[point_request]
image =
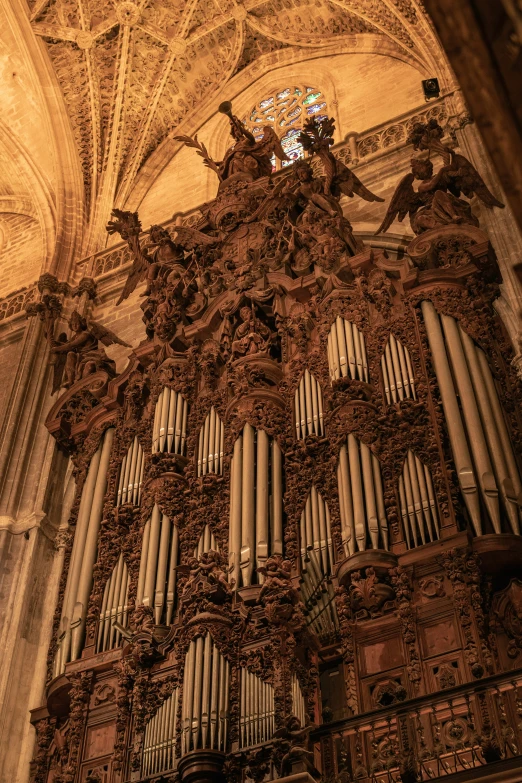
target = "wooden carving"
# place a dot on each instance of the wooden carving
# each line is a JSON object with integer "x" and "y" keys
{"x": 288, "y": 380}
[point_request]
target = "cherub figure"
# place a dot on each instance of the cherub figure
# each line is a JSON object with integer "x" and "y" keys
{"x": 437, "y": 202}
{"x": 251, "y": 336}
{"x": 295, "y": 739}
{"x": 82, "y": 354}
{"x": 317, "y": 138}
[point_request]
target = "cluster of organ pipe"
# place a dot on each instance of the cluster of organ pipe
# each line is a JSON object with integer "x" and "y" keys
{"x": 484, "y": 458}
{"x": 318, "y": 595}
{"x": 361, "y": 498}
{"x": 257, "y": 710}
{"x": 169, "y": 432}
{"x": 347, "y": 351}
{"x": 316, "y": 532}
{"x": 159, "y": 743}
{"x": 131, "y": 476}
{"x": 159, "y": 559}
{"x": 256, "y": 504}
{"x": 83, "y": 556}
{"x": 114, "y": 607}
{"x": 204, "y": 713}
{"x": 397, "y": 372}
{"x": 418, "y": 505}
{"x": 211, "y": 444}
{"x": 308, "y": 407}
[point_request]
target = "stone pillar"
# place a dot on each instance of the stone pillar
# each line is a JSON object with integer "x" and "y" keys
{"x": 502, "y": 230}
{"x": 32, "y": 508}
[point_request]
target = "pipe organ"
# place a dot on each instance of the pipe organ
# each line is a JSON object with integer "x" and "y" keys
{"x": 204, "y": 714}
{"x": 170, "y": 422}
{"x": 131, "y": 476}
{"x": 361, "y": 498}
{"x": 418, "y": 505}
{"x": 397, "y": 372}
{"x": 158, "y": 563}
{"x": 115, "y": 607}
{"x": 257, "y": 711}
{"x": 83, "y": 556}
{"x": 347, "y": 351}
{"x": 308, "y": 407}
{"x": 211, "y": 445}
{"x": 486, "y": 466}
{"x": 161, "y": 735}
{"x": 256, "y": 503}
{"x": 341, "y": 543}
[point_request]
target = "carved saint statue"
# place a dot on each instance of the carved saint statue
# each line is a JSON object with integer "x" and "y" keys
{"x": 251, "y": 336}
{"x": 82, "y": 355}
{"x": 437, "y": 202}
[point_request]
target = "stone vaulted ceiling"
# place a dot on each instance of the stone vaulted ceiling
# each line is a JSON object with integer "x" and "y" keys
{"x": 133, "y": 73}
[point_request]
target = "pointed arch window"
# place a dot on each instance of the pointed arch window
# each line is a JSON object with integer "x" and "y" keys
{"x": 286, "y": 111}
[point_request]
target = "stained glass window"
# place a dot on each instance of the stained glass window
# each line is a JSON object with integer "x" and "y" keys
{"x": 285, "y": 111}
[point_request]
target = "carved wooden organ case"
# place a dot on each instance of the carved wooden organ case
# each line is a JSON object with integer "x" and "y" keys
{"x": 301, "y": 498}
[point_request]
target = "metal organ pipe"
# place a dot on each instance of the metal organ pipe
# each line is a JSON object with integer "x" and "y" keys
{"x": 308, "y": 407}
{"x": 211, "y": 445}
{"x": 316, "y": 532}
{"x": 347, "y": 351}
{"x": 450, "y": 405}
{"x": 257, "y": 713}
{"x": 256, "y": 504}
{"x": 158, "y": 563}
{"x": 159, "y": 745}
{"x": 131, "y": 475}
{"x": 361, "y": 498}
{"x": 397, "y": 372}
{"x": 114, "y": 607}
{"x": 169, "y": 431}
{"x": 475, "y": 432}
{"x": 206, "y": 543}
{"x": 88, "y": 552}
{"x": 479, "y": 437}
{"x": 298, "y": 702}
{"x": 417, "y": 501}
{"x": 204, "y": 714}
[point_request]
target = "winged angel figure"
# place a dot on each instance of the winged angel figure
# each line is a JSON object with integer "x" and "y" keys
{"x": 163, "y": 261}
{"x": 317, "y": 138}
{"x": 248, "y": 159}
{"x": 81, "y": 354}
{"x": 437, "y": 202}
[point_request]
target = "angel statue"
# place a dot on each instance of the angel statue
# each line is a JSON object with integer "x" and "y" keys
{"x": 82, "y": 355}
{"x": 146, "y": 265}
{"x": 248, "y": 159}
{"x": 437, "y": 202}
{"x": 317, "y": 138}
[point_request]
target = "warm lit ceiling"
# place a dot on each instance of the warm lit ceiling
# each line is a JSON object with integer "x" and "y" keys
{"x": 134, "y": 73}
